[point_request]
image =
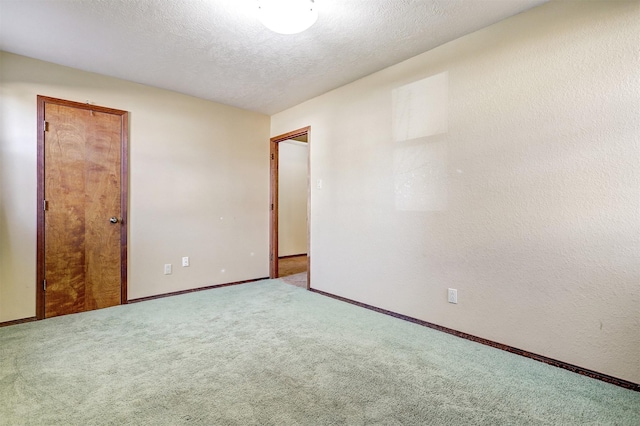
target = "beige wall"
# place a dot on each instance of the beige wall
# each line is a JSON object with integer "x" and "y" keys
{"x": 199, "y": 183}
{"x": 292, "y": 197}
{"x": 504, "y": 164}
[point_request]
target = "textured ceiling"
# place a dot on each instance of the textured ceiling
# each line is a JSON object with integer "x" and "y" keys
{"x": 217, "y": 50}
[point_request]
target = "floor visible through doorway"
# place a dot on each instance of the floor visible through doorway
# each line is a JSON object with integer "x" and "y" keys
{"x": 293, "y": 270}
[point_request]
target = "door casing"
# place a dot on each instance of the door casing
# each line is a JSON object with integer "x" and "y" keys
{"x": 273, "y": 226}
{"x": 42, "y": 101}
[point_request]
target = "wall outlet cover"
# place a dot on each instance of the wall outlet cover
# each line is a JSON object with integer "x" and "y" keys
{"x": 453, "y": 295}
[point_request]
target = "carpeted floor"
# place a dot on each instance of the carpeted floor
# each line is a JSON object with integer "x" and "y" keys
{"x": 267, "y": 353}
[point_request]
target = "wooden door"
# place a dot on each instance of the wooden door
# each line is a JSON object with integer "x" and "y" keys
{"x": 83, "y": 207}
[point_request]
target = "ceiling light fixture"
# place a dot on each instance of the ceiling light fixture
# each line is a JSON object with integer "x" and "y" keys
{"x": 287, "y": 16}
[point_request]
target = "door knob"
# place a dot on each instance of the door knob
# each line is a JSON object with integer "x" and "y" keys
{"x": 113, "y": 220}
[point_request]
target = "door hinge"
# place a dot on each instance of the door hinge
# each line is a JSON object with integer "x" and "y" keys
{"x": 271, "y": 206}
{"x": 272, "y": 157}
{"x": 45, "y": 205}
{"x": 45, "y": 127}
{"x": 44, "y": 285}
{"x": 271, "y": 256}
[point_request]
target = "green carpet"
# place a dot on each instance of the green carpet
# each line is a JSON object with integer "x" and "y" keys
{"x": 268, "y": 353}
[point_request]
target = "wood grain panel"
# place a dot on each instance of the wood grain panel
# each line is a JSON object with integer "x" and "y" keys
{"x": 102, "y": 201}
{"x": 81, "y": 182}
{"x": 64, "y": 220}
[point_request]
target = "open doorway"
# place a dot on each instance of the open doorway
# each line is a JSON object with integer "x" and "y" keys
{"x": 290, "y": 256}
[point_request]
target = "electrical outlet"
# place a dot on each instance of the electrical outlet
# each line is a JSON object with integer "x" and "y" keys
{"x": 167, "y": 268}
{"x": 185, "y": 261}
{"x": 453, "y": 295}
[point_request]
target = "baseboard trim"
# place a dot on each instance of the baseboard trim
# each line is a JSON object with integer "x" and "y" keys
{"x": 18, "y": 321}
{"x": 560, "y": 364}
{"x": 291, "y": 255}
{"x": 193, "y": 290}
